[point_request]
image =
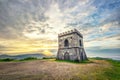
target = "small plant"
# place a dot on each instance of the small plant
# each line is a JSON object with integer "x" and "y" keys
{"x": 48, "y": 58}
{"x": 29, "y": 58}
{"x": 6, "y": 59}
{"x": 25, "y": 59}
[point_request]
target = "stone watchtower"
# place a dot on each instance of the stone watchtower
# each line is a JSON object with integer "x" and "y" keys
{"x": 71, "y": 46}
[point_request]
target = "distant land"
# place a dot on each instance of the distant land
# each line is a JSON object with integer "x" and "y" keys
{"x": 22, "y": 56}
{"x": 115, "y": 56}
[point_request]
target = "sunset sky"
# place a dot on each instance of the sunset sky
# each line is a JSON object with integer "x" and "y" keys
{"x": 32, "y": 26}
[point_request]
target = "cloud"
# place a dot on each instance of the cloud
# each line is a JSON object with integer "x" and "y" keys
{"x": 34, "y": 25}
{"x": 106, "y": 42}
{"x": 26, "y": 46}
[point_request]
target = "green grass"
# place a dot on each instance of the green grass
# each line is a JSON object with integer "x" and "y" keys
{"x": 6, "y": 60}
{"x": 48, "y": 58}
{"x": 114, "y": 72}
{"x": 85, "y": 61}
{"x": 29, "y": 58}
{"x": 14, "y": 60}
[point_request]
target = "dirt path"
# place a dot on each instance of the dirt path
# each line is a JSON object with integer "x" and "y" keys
{"x": 51, "y": 70}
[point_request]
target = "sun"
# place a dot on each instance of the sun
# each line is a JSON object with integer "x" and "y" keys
{"x": 47, "y": 53}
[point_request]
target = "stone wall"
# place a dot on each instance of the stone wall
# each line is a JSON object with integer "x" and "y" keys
{"x": 75, "y": 50}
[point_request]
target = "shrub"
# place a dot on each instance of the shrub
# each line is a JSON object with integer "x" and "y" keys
{"x": 48, "y": 58}
{"x": 29, "y": 58}
{"x": 6, "y": 59}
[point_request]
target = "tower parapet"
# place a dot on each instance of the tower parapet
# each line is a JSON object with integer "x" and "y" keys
{"x": 70, "y": 32}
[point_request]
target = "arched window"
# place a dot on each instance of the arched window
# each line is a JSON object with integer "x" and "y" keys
{"x": 80, "y": 42}
{"x": 66, "y": 43}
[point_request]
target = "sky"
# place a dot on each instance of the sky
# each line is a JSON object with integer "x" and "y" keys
{"x": 32, "y": 26}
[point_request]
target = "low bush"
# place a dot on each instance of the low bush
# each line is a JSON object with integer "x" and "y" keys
{"x": 29, "y": 58}
{"x": 6, "y": 59}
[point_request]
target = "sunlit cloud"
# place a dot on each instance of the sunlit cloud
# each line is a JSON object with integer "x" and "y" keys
{"x": 28, "y": 26}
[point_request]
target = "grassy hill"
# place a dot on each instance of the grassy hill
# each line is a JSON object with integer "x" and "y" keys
{"x": 21, "y": 56}
{"x": 51, "y": 69}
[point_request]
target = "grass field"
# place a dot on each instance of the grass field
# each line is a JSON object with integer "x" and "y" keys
{"x": 51, "y": 69}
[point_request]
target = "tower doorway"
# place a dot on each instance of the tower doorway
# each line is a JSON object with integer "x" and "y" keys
{"x": 66, "y": 56}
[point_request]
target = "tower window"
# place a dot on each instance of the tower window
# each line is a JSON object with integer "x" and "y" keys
{"x": 80, "y": 42}
{"x": 66, "y": 43}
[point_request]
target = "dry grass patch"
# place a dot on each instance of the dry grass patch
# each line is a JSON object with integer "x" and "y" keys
{"x": 53, "y": 70}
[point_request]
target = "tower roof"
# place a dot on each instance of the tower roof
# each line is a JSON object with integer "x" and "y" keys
{"x": 70, "y": 32}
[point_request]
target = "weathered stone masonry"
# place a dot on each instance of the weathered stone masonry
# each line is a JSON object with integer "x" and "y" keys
{"x": 71, "y": 46}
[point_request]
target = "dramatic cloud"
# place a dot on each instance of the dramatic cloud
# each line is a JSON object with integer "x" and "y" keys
{"x": 28, "y": 26}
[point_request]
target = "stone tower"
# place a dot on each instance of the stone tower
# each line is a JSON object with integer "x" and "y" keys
{"x": 71, "y": 46}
